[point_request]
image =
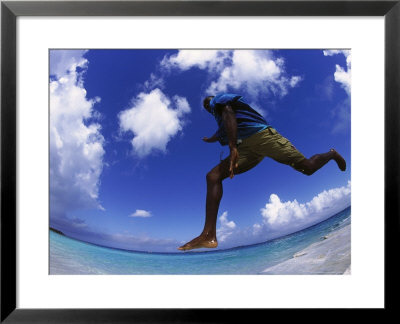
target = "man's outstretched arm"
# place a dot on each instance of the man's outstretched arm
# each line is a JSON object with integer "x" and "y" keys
{"x": 230, "y": 123}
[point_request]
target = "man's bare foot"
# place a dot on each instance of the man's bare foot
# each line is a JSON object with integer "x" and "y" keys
{"x": 339, "y": 160}
{"x": 198, "y": 243}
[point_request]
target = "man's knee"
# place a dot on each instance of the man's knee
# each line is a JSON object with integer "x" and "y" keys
{"x": 213, "y": 176}
{"x": 306, "y": 167}
{"x": 308, "y": 172}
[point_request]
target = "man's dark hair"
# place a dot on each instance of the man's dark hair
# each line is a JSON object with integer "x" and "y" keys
{"x": 206, "y": 101}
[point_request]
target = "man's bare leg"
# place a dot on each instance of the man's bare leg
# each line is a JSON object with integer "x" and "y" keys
{"x": 317, "y": 161}
{"x": 208, "y": 238}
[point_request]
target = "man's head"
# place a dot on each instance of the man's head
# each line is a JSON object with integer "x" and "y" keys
{"x": 206, "y": 103}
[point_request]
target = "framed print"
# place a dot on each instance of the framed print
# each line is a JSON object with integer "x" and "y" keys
{"x": 103, "y": 105}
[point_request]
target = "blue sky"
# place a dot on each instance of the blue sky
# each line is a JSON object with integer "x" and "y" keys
{"x": 127, "y": 163}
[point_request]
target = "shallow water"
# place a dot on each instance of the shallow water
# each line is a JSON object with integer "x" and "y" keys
{"x": 69, "y": 256}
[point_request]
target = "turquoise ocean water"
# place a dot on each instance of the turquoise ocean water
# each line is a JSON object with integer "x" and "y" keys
{"x": 69, "y": 256}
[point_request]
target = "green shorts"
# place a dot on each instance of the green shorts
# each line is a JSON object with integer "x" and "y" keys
{"x": 267, "y": 143}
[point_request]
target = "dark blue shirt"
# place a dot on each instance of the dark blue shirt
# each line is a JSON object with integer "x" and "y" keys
{"x": 248, "y": 120}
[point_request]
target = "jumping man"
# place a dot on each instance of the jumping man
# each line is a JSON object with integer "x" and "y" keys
{"x": 250, "y": 139}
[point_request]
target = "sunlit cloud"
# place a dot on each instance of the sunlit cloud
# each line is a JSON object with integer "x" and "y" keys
{"x": 255, "y": 72}
{"x": 342, "y": 74}
{"x": 226, "y": 227}
{"x": 211, "y": 60}
{"x": 153, "y": 120}
{"x": 293, "y": 215}
{"x": 76, "y": 142}
{"x": 64, "y": 61}
{"x": 141, "y": 213}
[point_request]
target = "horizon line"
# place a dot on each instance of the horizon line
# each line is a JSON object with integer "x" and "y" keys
{"x": 52, "y": 229}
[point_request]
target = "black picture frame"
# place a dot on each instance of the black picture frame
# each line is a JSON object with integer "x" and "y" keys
{"x": 10, "y": 10}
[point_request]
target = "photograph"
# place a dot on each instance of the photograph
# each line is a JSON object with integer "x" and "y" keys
{"x": 153, "y": 152}
{"x": 199, "y": 161}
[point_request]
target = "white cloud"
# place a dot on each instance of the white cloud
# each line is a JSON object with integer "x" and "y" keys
{"x": 226, "y": 229}
{"x": 141, "y": 213}
{"x": 256, "y": 72}
{"x": 277, "y": 213}
{"x": 335, "y": 52}
{"x": 342, "y": 75}
{"x": 294, "y": 81}
{"x": 154, "y": 120}
{"x": 211, "y": 60}
{"x": 155, "y": 81}
{"x": 76, "y": 143}
{"x": 62, "y": 61}
{"x": 290, "y": 216}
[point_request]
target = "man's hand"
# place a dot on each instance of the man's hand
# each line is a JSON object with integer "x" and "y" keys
{"x": 233, "y": 161}
{"x": 211, "y": 139}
